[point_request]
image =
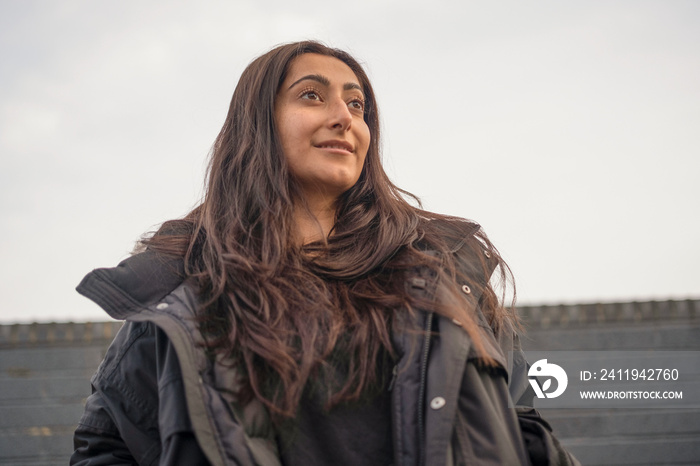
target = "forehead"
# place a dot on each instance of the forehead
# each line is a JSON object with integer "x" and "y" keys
{"x": 314, "y": 64}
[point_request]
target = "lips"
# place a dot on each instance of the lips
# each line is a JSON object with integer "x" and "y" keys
{"x": 336, "y": 144}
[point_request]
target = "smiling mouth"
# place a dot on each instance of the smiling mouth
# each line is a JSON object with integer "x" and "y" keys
{"x": 337, "y": 145}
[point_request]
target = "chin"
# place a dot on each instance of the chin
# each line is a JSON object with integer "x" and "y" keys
{"x": 339, "y": 184}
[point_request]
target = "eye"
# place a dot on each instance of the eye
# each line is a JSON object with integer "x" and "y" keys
{"x": 357, "y": 104}
{"x": 310, "y": 94}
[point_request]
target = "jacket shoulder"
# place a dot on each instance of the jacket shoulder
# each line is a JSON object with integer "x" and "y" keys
{"x": 473, "y": 254}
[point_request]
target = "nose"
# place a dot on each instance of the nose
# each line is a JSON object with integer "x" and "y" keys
{"x": 339, "y": 115}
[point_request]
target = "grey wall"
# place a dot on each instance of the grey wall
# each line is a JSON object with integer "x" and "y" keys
{"x": 635, "y": 436}
{"x": 45, "y": 374}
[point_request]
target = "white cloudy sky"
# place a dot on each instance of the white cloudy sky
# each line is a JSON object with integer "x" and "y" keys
{"x": 569, "y": 130}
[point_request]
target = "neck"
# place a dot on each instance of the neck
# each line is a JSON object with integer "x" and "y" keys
{"x": 314, "y": 221}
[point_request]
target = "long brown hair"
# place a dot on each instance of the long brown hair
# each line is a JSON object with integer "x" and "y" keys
{"x": 286, "y": 314}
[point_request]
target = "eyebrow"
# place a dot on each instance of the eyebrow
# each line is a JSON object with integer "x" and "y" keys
{"x": 326, "y": 82}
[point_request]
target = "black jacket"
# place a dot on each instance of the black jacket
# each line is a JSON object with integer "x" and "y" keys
{"x": 157, "y": 394}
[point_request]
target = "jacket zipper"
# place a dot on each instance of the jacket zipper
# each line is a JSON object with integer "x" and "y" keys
{"x": 394, "y": 374}
{"x": 421, "y": 390}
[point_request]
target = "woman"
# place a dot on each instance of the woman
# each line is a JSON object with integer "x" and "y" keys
{"x": 305, "y": 312}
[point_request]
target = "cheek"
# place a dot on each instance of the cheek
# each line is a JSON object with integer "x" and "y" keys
{"x": 366, "y": 139}
{"x": 288, "y": 134}
{"x": 294, "y": 129}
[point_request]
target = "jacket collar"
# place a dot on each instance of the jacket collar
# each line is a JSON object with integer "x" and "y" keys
{"x": 136, "y": 283}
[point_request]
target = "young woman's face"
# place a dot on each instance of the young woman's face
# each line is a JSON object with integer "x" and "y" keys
{"x": 319, "y": 114}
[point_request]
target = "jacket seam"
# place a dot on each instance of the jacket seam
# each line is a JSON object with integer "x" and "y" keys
{"x": 134, "y": 336}
{"x": 93, "y": 424}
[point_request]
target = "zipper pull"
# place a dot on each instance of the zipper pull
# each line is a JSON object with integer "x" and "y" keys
{"x": 394, "y": 373}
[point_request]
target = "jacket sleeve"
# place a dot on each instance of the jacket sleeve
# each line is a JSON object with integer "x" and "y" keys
{"x": 137, "y": 412}
{"x": 541, "y": 444}
{"x": 97, "y": 440}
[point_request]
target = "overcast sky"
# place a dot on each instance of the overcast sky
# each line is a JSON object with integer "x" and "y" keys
{"x": 569, "y": 130}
